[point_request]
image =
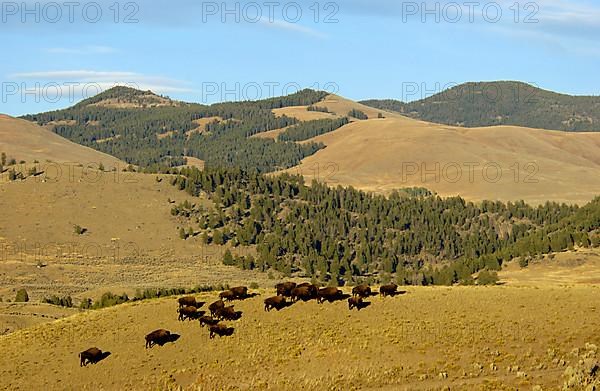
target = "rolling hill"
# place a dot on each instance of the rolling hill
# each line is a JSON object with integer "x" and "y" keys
{"x": 502, "y": 103}
{"x": 23, "y": 140}
{"x": 497, "y": 163}
{"x": 494, "y": 338}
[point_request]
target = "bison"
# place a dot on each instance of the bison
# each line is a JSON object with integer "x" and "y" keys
{"x": 159, "y": 337}
{"x": 388, "y": 290}
{"x": 228, "y": 313}
{"x": 189, "y": 301}
{"x": 189, "y": 313}
{"x": 355, "y": 302}
{"x": 214, "y": 307}
{"x": 304, "y": 293}
{"x": 285, "y": 288}
{"x": 227, "y": 295}
{"x": 330, "y": 294}
{"x": 208, "y": 321}
{"x": 361, "y": 291}
{"x": 221, "y": 330}
{"x": 90, "y": 356}
{"x": 277, "y": 302}
{"x": 239, "y": 292}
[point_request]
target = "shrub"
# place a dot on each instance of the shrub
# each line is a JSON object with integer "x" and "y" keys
{"x": 254, "y": 285}
{"x": 357, "y": 114}
{"x": 487, "y": 277}
{"x": 79, "y": 230}
{"x": 65, "y": 301}
{"x": 22, "y": 296}
{"x": 228, "y": 259}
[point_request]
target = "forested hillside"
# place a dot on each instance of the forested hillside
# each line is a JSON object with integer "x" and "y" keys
{"x": 163, "y": 135}
{"x": 502, "y": 103}
{"x": 337, "y": 234}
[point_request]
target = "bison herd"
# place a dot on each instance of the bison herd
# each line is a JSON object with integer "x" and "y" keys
{"x": 288, "y": 293}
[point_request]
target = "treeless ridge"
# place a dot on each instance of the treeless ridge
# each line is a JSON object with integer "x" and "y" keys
{"x": 497, "y": 163}
{"x": 24, "y": 140}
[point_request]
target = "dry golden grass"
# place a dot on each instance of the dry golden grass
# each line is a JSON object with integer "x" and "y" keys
{"x": 302, "y": 114}
{"x": 17, "y": 316}
{"x": 24, "y": 140}
{"x": 342, "y": 106}
{"x": 202, "y": 122}
{"x": 381, "y": 155}
{"x": 430, "y": 338}
{"x": 132, "y": 241}
{"x": 568, "y": 268}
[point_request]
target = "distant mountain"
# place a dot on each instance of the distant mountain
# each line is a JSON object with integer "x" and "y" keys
{"x": 148, "y": 130}
{"x": 502, "y": 103}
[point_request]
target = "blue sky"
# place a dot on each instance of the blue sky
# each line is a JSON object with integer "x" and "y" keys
{"x": 360, "y": 49}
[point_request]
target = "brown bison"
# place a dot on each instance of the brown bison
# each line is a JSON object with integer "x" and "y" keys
{"x": 221, "y": 330}
{"x": 227, "y": 295}
{"x": 304, "y": 293}
{"x": 214, "y": 307}
{"x": 277, "y": 302}
{"x": 157, "y": 337}
{"x": 285, "y": 288}
{"x": 330, "y": 294}
{"x": 90, "y": 356}
{"x": 228, "y": 313}
{"x": 188, "y": 313}
{"x": 361, "y": 291}
{"x": 388, "y": 290}
{"x": 208, "y": 321}
{"x": 239, "y": 292}
{"x": 188, "y": 301}
{"x": 355, "y": 302}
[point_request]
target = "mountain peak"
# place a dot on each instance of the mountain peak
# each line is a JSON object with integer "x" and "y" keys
{"x": 124, "y": 97}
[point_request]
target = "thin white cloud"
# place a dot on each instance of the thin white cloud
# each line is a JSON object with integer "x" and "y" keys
{"x": 293, "y": 27}
{"x": 86, "y": 50}
{"x": 88, "y": 80}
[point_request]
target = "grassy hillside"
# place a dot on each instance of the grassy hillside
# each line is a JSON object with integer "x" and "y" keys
{"x": 131, "y": 239}
{"x": 502, "y": 103}
{"x": 23, "y": 140}
{"x": 429, "y": 338}
{"x": 500, "y": 163}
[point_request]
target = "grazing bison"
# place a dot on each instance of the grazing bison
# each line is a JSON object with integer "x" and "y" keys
{"x": 90, "y": 356}
{"x": 355, "y": 302}
{"x": 361, "y": 291}
{"x": 277, "y": 302}
{"x": 304, "y": 293}
{"x": 208, "y": 321}
{"x": 227, "y": 295}
{"x": 228, "y": 313}
{"x": 214, "y": 307}
{"x": 221, "y": 330}
{"x": 330, "y": 294}
{"x": 388, "y": 290}
{"x": 239, "y": 292}
{"x": 159, "y": 337}
{"x": 189, "y": 301}
{"x": 189, "y": 313}
{"x": 285, "y": 288}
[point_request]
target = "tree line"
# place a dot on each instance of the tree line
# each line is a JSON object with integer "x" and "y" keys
{"x": 340, "y": 234}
